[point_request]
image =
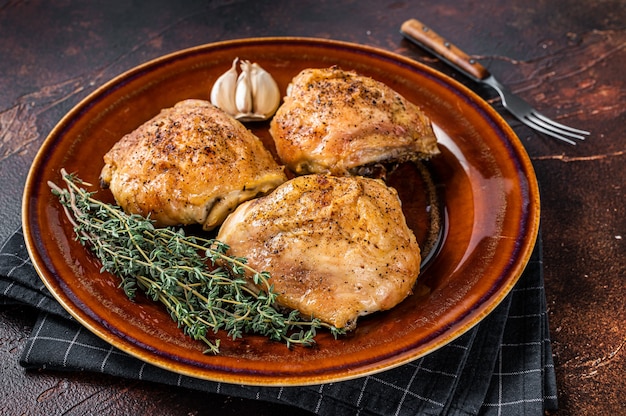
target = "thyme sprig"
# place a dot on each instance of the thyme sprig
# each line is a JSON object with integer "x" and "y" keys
{"x": 203, "y": 288}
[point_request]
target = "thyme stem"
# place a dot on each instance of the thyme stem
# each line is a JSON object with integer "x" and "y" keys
{"x": 202, "y": 287}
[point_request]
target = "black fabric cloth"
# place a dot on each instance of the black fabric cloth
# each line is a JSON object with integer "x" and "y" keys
{"x": 502, "y": 366}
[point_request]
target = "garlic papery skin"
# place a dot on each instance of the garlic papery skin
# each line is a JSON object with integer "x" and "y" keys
{"x": 251, "y": 95}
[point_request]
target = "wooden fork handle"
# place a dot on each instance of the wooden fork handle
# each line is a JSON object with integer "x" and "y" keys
{"x": 425, "y": 37}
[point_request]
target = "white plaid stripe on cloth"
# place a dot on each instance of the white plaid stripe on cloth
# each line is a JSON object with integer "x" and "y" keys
{"x": 502, "y": 366}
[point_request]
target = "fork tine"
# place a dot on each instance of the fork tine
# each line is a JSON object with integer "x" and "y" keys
{"x": 532, "y": 123}
{"x": 559, "y": 125}
{"x": 552, "y": 126}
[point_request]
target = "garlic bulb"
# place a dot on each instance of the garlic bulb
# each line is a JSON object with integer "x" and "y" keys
{"x": 251, "y": 95}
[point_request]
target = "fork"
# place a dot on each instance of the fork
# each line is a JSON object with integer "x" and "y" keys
{"x": 422, "y": 35}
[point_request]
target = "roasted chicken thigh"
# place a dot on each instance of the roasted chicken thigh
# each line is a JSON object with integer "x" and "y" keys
{"x": 190, "y": 164}
{"x": 340, "y": 122}
{"x": 336, "y": 247}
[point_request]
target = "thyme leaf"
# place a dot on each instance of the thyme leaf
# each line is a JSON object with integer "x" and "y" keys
{"x": 203, "y": 288}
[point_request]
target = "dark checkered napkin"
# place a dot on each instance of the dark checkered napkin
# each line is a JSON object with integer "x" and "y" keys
{"x": 501, "y": 366}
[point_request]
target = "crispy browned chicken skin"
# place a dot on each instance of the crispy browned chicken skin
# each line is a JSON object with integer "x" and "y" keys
{"x": 336, "y": 247}
{"x": 340, "y": 122}
{"x": 191, "y": 164}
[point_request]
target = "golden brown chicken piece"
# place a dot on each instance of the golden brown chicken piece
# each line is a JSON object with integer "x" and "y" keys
{"x": 343, "y": 123}
{"x": 191, "y": 164}
{"x": 336, "y": 247}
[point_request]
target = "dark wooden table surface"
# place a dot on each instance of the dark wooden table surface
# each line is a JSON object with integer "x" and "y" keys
{"x": 565, "y": 56}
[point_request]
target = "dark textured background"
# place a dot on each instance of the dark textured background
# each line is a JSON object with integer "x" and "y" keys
{"x": 565, "y": 56}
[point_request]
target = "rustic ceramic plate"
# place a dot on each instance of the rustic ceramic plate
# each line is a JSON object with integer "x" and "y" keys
{"x": 483, "y": 179}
